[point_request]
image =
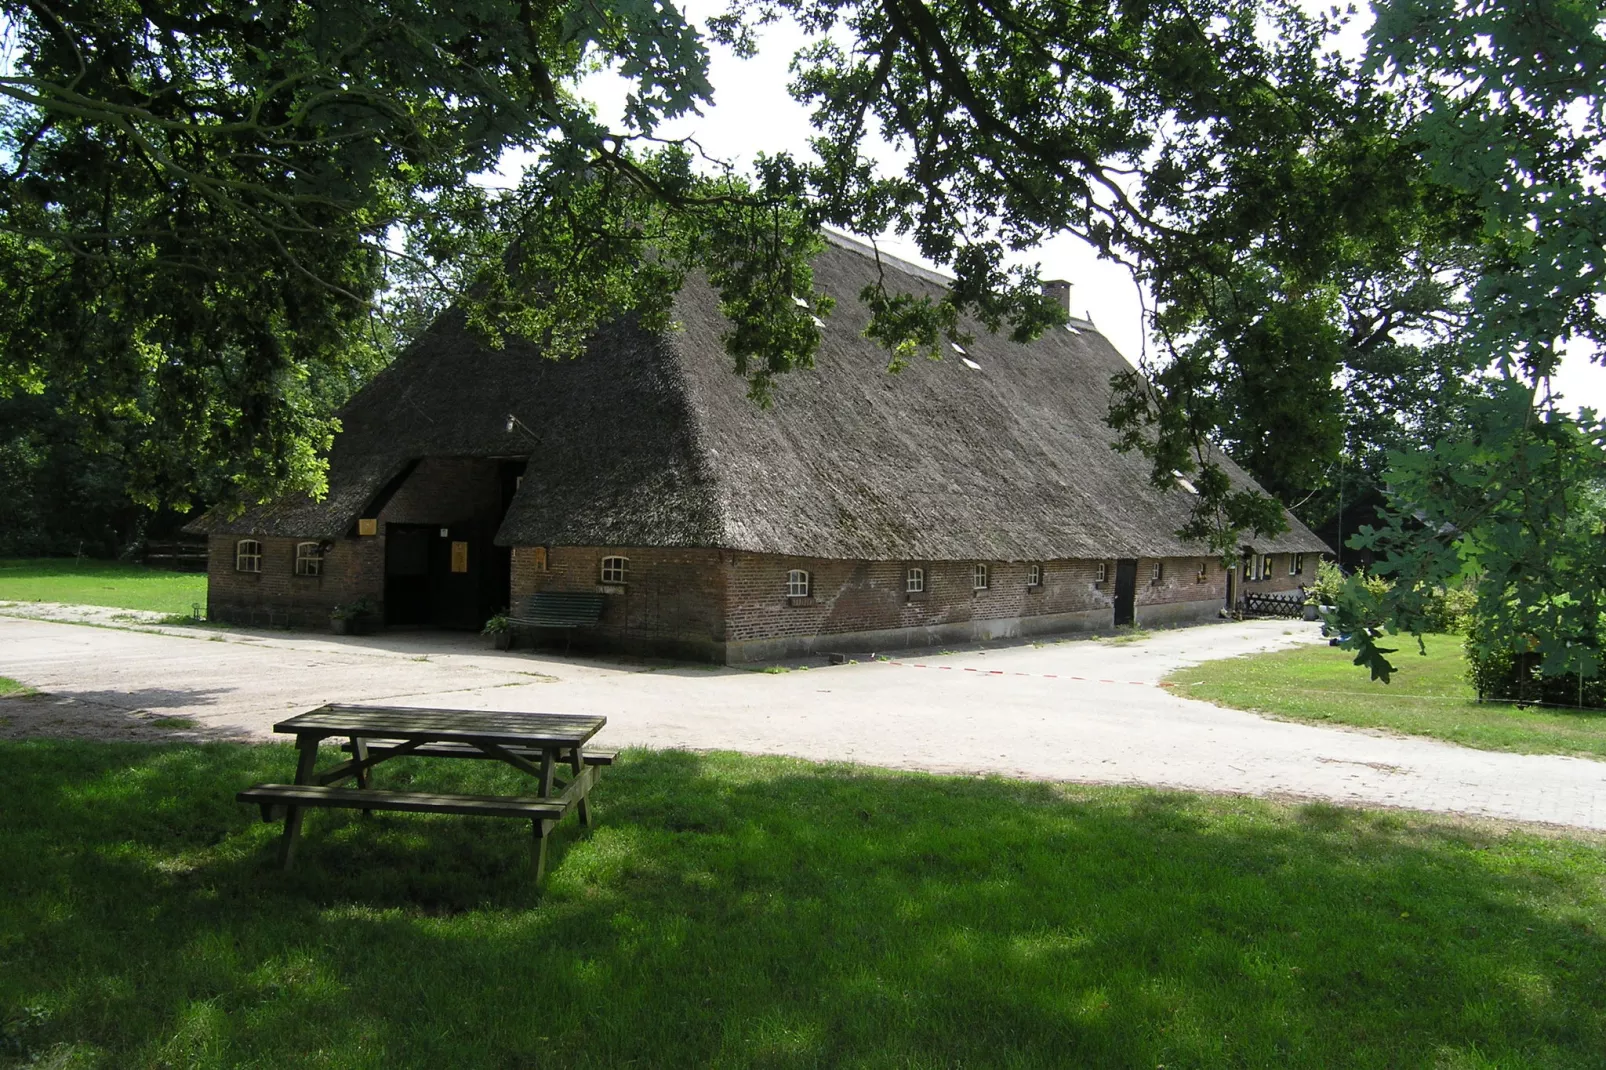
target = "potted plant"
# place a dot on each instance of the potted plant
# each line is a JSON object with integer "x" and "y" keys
{"x": 499, "y": 631}
{"x": 350, "y": 618}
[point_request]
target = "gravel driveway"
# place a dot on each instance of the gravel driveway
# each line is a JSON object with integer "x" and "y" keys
{"x": 1085, "y": 710}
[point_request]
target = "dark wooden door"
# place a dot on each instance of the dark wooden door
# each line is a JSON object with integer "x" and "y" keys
{"x": 456, "y": 559}
{"x": 407, "y": 573}
{"x": 1126, "y": 589}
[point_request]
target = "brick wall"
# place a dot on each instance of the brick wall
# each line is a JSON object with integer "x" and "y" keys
{"x": 1280, "y": 579}
{"x": 698, "y": 600}
{"x": 276, "y": 596}
{"x": 860, "y": 596}
{"x": 672, "y": 600}
{"x": 441, "y": 490}
{"x": 1179, "y": 581}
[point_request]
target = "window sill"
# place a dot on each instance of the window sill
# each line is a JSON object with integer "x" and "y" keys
{"x": 1034, "y": 588}
{"x": 801, "y": 600}
{"x": 611, "y": 588}
{"x": 916, "y": 596}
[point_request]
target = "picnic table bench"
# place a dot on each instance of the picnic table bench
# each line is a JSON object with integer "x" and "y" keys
{"x": 559, "y": 609}
{"x": 539, "y": 744}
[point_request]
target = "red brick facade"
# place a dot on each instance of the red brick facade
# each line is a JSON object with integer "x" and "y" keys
{"x": 444, "y": 491}
{"x": 734, "y": 606}
{"x": 726, "y": 605}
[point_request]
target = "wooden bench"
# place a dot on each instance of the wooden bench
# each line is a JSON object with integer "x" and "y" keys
{"x": 269, "y": 796}
{"x": 541, "y": 813}
{"x": 464, "y": 750}
{"x": 559, "y": 609}
{"x": 542, "y": 745}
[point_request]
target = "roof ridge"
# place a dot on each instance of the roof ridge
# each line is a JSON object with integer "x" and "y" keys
{"x": 843, "y": 240}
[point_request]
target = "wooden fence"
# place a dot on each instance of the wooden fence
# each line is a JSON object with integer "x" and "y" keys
{"x": 1273, "y": 605}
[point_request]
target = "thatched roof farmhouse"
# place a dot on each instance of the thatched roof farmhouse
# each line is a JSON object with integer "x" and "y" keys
{"x": 968, "y": 498}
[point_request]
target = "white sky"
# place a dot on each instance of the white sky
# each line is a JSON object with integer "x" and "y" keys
{"x": 752, "y": 112}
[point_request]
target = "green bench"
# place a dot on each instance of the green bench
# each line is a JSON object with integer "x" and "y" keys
{"x": 567, "y": 610}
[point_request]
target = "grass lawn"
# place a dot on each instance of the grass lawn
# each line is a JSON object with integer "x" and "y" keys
{"x": 1429, "y": 696}
{"x": 745, "y": 912}
{"x": 100, "y": 583}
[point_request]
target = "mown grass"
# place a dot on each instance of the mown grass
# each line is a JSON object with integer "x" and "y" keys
{"x": 88, "y": 582}
{"x": 750, "y": 912}
{"x": 1428, "y": 696}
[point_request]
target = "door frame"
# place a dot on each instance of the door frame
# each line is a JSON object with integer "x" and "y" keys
{"x": 1126, "y": 591}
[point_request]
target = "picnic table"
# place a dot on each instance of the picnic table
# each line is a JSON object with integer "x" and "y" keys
{"x": 547, "y": 746}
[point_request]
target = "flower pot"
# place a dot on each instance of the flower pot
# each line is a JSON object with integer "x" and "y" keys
{"x": 499, "y": 640}
{"x": 1312, "y": 613}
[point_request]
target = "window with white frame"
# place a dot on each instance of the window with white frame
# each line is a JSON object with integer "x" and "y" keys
{"x": 978, "y": 577}
{"x": 1034, "y": 575}
{"x": 248, "y": 556}
{"x": 797, "y": 584}
{"x": 1103, "y": 571}
{"x": 615, "y": 569}
{"x": 1156, "y": 571}
{"x": 1203, "y": 575}
{"x": 914, "y": 581}
{"x": 309, "y": 559}
{"x": 1297, "y": 568}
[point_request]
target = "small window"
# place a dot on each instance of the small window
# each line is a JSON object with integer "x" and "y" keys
{"x": 914, "y": 581}
{"x": 797, "y": 584}
{"x": 1203, "y": 575}
{"x": 615, "y": 569}
{"x": 1270, "y": 560}
{"x": 1156, "y": 572}
{"x": 309, "y": 559}
{"x": 1102, "y": 573}
{"x": 248, "y": 556}
{"x": 1296, "y": 565}
{"x": 978, "y": 577}
{"x": 1034, "y": 575}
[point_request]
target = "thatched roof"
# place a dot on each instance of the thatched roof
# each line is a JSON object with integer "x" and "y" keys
{"x": 652, "y": 441}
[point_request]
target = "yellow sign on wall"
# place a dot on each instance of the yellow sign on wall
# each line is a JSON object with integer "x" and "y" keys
{"x": 538, "y": 558}
{"x": 368, "y": 526}
{"x": 459, "y": 557}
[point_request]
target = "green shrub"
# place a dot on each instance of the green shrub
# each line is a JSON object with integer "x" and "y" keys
{"x": 1497, "y": 670}
{"x": 1329, "y": 580}
{"x": 1450, "y": 609}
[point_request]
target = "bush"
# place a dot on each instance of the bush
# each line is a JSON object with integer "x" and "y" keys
{"x": 1500, "y": 672}
{"x": 1450, "y": 609}
{"x": 1329, "y": 581}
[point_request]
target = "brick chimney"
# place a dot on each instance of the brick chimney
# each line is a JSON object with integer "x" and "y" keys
{"x": 1060, "y": 291}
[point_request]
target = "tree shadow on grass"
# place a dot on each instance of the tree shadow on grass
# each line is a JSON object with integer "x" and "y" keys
{"x": 731, "y": 911}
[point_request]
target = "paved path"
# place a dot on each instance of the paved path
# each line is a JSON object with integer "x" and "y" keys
{"x": 1082, "y": 710}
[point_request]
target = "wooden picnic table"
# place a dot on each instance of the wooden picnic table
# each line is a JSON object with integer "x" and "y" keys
{"x": 547, "y": 746}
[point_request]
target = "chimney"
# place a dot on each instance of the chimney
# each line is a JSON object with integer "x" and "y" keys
{"x": 1060, "y": 291}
